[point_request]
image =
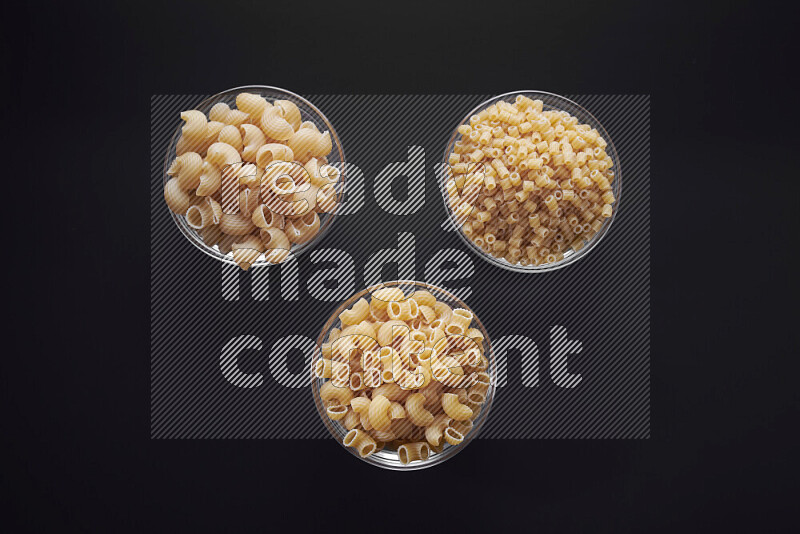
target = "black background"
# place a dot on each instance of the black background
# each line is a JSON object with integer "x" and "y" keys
{"x": 79, "y": 76}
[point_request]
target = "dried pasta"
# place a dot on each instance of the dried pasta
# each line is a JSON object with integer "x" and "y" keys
{"x": 527, "y": 185}
{"x": 253, "y": 181}
{"x": 410, "y": 387}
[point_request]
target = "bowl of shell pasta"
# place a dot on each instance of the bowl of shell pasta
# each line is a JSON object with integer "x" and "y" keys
{"x": 403, "y": 375}
{"x": 253, "y": 175}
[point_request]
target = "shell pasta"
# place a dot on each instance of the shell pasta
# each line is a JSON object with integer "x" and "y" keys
{"x": 407, "y": 371}
{"x": 254, "y": 180}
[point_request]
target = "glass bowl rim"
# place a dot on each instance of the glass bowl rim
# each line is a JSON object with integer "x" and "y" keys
{"x": 295, "y": 251}
{"x": 437, "y": 458}
{"x": 617, "y": 185}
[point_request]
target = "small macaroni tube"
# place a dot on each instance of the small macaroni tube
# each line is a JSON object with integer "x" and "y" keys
{"x": 372, "y": 378}
{"x": 212, "y": 135}
{"x": 321, "y": 174}
{"x": 364, "y": 420}
{"x": 438, "y": 448}
{"x": 476, "y": 397}
{"x": 412, "y": 452}
{"x": 437, "y": 334}
{"x": 454, "y": 409}
{"x": 475, "y": 335}
{"x": 360, "y": 441}
{"x": 340, "y": 374}
{"x": 226, "y": 242}
{"x": 459, "y": 322}
{"x": 327, "y": 199}
{"x": 448, "y": 372}
{"x": 248, "y": 202}
{"x": 403, "y": 310}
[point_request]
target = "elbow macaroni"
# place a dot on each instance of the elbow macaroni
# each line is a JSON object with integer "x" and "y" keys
{"x": 410, "y": 452}
{"x": 210, "y": 167}
{"x": 454, "y": 409}
{"x": 390, "y": 376}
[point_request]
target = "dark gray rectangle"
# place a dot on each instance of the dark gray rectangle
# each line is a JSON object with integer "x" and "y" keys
{"x": 200, "y": 309}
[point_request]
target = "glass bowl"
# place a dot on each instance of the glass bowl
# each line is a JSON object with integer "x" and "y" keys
{"x": 387, "y": 458}
{"x": 555, "y": 103}
{"x": 308, "y": 112}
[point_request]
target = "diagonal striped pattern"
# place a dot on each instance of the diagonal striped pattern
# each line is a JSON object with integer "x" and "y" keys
{"x": 204, "y": 315}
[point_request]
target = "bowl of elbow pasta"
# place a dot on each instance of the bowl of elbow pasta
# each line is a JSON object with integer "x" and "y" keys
{"x": 403, "y": 375}
{"x": 532, "y": 181}
{"x": 253, "y": 175}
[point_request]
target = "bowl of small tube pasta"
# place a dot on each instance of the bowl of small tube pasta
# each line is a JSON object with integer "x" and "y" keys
{"x": 532, "y": 181}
